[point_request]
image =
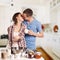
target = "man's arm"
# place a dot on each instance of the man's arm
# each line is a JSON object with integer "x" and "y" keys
{"x": 40, "y": 34}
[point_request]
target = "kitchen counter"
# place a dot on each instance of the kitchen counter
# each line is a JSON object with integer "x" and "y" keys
{"x": 19, "y": 58}
{"x": 22, "y": 58}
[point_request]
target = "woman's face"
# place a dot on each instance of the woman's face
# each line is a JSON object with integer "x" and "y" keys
{"x": 19, "y": 18}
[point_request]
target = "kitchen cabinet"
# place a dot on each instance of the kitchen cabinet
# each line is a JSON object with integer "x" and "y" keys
{"x": 54, "y": 3}
{"x": 56, "y": 44}
{"x": 45, "y": 41}
{"x": 51, "y": 44}
{"x": 3, "y": 42}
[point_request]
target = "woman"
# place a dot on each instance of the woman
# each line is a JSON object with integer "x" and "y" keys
{"x": 16, "y": 31}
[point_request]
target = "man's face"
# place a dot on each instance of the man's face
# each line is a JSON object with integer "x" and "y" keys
{"x": 25, "y": 17}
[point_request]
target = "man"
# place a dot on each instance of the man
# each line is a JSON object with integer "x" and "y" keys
{"x": 34, "y": 27}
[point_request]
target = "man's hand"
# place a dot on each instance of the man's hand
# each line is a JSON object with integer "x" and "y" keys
{"x": 40, "y": 34}
{"x": 30, "y": 32}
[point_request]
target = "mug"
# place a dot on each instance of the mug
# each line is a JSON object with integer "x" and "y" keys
{"x": 4, "y": 54}
{"x": 38, "y": 55}
{"x": 26, "y": 31}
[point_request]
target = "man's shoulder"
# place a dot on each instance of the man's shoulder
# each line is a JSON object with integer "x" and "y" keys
{"x": 37, "y": 22}
{"x": 25, "y": 22}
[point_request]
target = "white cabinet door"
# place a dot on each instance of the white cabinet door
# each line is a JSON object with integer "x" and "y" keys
{"x": 46, "y": 41}
{"x": 56, "y": 44}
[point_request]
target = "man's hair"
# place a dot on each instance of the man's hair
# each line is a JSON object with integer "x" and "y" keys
{"x": 28, "y": 12}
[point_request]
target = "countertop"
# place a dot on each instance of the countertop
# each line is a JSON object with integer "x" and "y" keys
{"x": 19, "y": 58}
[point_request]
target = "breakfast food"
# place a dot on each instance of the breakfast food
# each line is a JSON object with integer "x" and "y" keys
{"x": 37, "y": 55}
{"x": 29, "y": 53}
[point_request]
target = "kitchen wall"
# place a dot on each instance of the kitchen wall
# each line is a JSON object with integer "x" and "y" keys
{"x": 41, "y": 11}
{"x": 55, "y": 15}
{"x": 58, "y": 17}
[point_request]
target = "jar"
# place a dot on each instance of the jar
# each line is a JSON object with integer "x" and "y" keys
{"x": 4, "y": 54}
{"x": 38, "y": 55}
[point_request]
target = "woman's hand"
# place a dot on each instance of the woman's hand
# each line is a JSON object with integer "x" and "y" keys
{"x": 17, "y": 37}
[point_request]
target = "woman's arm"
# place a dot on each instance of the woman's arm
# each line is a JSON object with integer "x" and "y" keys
{"x": 9, "y": 33}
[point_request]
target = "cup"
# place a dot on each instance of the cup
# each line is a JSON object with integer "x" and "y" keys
{"x": 4, "y": 54}
{"x": 38, "y": 55}
{"x": 26, "y": 31}
{"x": 12, "y": 57}
{"x": 0, "y": 54}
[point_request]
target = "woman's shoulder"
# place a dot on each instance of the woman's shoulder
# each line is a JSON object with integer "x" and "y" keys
{"x": 9, "y": 28}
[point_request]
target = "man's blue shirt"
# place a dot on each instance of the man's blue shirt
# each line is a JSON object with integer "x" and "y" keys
{"x": 35, "y": 26}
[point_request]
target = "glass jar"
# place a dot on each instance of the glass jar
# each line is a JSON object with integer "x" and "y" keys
{"x": 4, "y": 54}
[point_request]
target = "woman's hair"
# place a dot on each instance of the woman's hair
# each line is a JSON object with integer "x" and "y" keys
{"x": 28, "y": 12}
{"x": 14, "y": 17}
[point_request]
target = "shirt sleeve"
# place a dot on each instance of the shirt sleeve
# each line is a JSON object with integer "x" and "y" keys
{"x": 39, "y": 27}
{"x": 9, "y": 33}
